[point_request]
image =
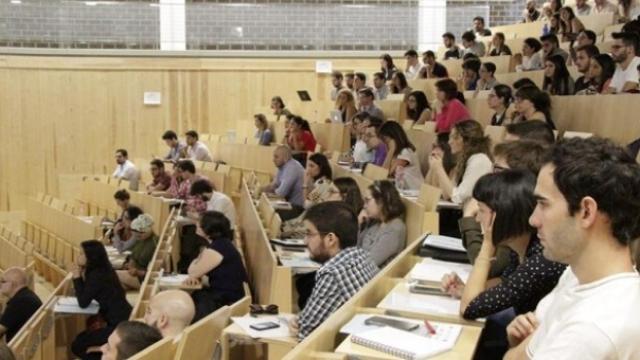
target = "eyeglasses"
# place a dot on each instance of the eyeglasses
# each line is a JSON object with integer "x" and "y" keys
{"x": 257, "y": 309}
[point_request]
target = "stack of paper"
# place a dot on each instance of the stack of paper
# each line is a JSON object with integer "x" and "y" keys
{"x": 434, "y": 270}
{"x": 173, "y": 280}
{"x": 69, "y": 305}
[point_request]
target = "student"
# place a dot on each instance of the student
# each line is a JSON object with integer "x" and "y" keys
{"x": 263, "y": 135}
{"x": 346, "y": 104}
{"x": 471, "y": 46}
{"x": 348, "y": 80}
{"x": 499, "y": 47}
{"x": 413, "y": 65}
{"x": 317, "y": 179}
{"x": 161, "y": 179}
{"x": 418, "y": 108}
{"x": 478, "y": 27}
{"x": 452, "y": 109}
{"x": 331, "y": 238}
{"x": 289, "y": 178}
{"x": 546, "y": 12}
{"x": 221, "y": 262}
{"x": 214, "y": 200}
{"x": 95, "y": 279}
{"x": 530, "y": 13}
{"x": 380, "y": 86}
{"x": 128, "y": 339}
{"x": 551, "y": 47}
{"x": 486, "y": 79}
{"x": 141, "y": 253}
{"x": 570, "y": 25}
{"x": 177, "y": 148}
{"x": 123, "y": 238}
{"x": 170, "y": 311}
{"x": 405, "y": 165}
{"x": 582, "y": 8}
{"x": 122, "y": 198}
{"x": 520, "y": 155}
{"x": 605, "y": 6}
{"x": 525, "y": 81}
{"x": 387, "y": 68}
{"x": 531, "y": 57}
{"x": 336, "y": 81}
{"x": 452, "y": 50}
{"x": 366, "y": 104}
{"x": 472, "y": 147}
{"x": 432, "y": 69}
{"x": 499, "y": 100}
{"x": 533, "y": 104}
{"x": 359, "y": 82}
{"x": 349, "y": 193}
{"x": 278, "y": 107}
{"x": 383, "y": 233}
{"x": 600, "y": 74}
{"x": 583, "y": 57}
{"x": 300, "y": 137}
{"x": 360, "y": 151}
{"x": 399, "y": 84}
{"x": 557, "y": 80}
{"x": 126, "y": 170}
{"x": 470, "y": 73}
{"x": 623, "y": 52}
{"x": 536, "y": 130}
{"x": 196, "y": 150}
{"x": 587, "y": 197}
{"x": 185, "y": 175}
{"x": 21, "y": 303}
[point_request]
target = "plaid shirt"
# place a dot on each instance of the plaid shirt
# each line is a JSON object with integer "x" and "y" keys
{"x": 336, "y": 282}
{"x": 181, "y": 191}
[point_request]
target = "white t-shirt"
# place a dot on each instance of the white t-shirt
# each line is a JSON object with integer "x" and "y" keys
{"x": 361, "y": 153}
{"x": 128, "y": 171}
{"x": 620, "y": 77}
{"x": 199, "y": 152}
{"x": 411, "y": 174}
{"x": 478, "y": 165}
{"x": 413, "y": 71}
{"x": 222, "y": 203}
{"x": 598, "y": 320}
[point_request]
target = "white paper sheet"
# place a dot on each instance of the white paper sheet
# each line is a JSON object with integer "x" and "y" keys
{"x": 433, "y": 270}
{"x": 69, "y": 305}
{"x": 282, "y": 331}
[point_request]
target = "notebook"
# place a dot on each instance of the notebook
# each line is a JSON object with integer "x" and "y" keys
{"x": 407, "y": 345}
{"x": 444, "y": 242}
{"x": 69, "y": 305}
{"x": 434, "y": 270}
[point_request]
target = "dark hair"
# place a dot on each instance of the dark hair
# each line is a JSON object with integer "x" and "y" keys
{"x": 135, "y": 336}
{"x": 540, "y": 100}
{"x": 122, "y": 195}
{"x": 5, "y": 352}
{"x": 536, "y": 130}
{"x": 490, "y": 67}
{"x": 122, "y": 152}
{"x": 133, "y": 212}
{"x": 389, "y": 60}
{"x": 403, "y": 82}
{"x": 186, "y": 165}
{"x": 469, "y": 55}
{"x": 474, "y": 142}
{"x": 278, "y": 99}
{"x": 559, "y": 82}
{"x": 158, "y": 163}
{"x": 349, "y": 75}
{"x": 304, "y": 124}
{"x": 323, "y": 163}
{"x": 503, "y": 92}
{"x": 335, "y": 217}
{"x": 216, "y": 226}
{"x": 479, "y": 18}
{"x": 200, "y": 187}
{"x": 262, "y": 120}
{"x": 96, "y": 256}
{"x": 379, "y": 75}
{"x": 523, "y": 82}
{"x": 604, "y": 171}
{"x": 608, "y": 69}
{"x": 468, "y": 36}
{"x": 590, "y": 35}
{"x": 559, "y": 2}
{"x": 448, "y": 87}
{"x": 395, "y": 132}
{"x": 590, "y": 50}
{"x": 429, "y": 53}
{"x": 411, "y": 53}
{"x": 472, "y": 64}
{"x": 509, "y": 194}
{"x": 552, "y": 38}
{"x": 421, "y": 104}
{"x": 386, "y": 195}
{"x": 337, "y": 74}
{"x": 558, "y": 27}
{"x": 523, "y": 154}
{"x": 628, "y": 38}
{"x": 361, "y": 76}
{"x": 374, "y": 121}
{"x": 449, "y": 35}
{"x": 169, "y": 135}
{"x": 533, "y": 43}
{"x": 193, "y": 134}
{"x": 500, "y": 36}
{"x": 367, "y": 92}
{"x": 350, "y": 193}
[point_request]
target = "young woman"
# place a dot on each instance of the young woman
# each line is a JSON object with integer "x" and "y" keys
{"x": 317, "y": 179}
{"x": 472, "y": 149}
{"x": 141, "y": 253}
{"x": 263, "y": 133}
{"x": 382, "y": 229}
{"x": 399, "y": 84}
{"x": 387, "y": 67}
{"x": 95, "y": 279}
{"x": 452, "y": 110}
{"x": 499, "y": 47}
{"x": 555, "y": 26}
{"x": 505, "y": 202}
{"x": 601, "y": 71}
{"x": 123, "y": 238}
{"x": 405, "y": 165}
{"x": 531, "y": 58}
{"x": 533, "y": 104}
{"x": 487, "y": 81}
{"x": 471, "y": 73}
{"x": 346, "y": 104}
{"x": 499, "y": 100}
{"x": 300, "y": 135}
{"x": 277, "y": 105}
{"x": 557, "y": 80}
{"x": 570, "y": 25}
{"x": 418, "y": 108}
{"x": 220, "y": 261}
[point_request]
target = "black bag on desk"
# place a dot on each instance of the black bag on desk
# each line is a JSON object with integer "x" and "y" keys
{"x": 443, "y": 248}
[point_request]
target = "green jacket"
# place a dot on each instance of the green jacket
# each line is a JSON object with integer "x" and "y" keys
{"x": 472, "y": 239}
{"x": 142, "y": 252}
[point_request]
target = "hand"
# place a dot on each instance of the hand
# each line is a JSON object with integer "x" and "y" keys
{"x": 521, "y": 327}
{"x": 132, "y": 270}
{"x": 294, "y": 327}
{"x": 362, "y": 217}
{"x": 435, "y": 161}
{"x": 437, "y": 151}
{"x": 76, "y": 270}
{"x": 453, "y": 285}
{"x": 471, "y": 208}
{"x": 191, "y": 281}
{"x": 487, "y": 232}
{"x": 119, "y": 226}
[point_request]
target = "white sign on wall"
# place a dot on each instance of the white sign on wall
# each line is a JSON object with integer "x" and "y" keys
{"x": 152, "y": 98}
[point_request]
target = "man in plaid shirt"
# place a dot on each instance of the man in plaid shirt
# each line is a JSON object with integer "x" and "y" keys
{"x": 331, "y": 236}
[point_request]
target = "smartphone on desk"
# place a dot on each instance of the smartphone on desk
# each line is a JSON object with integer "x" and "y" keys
{"x": 268, "y": 325}
{"x": 394, "y": 323}
{"x": 426, "y": 290}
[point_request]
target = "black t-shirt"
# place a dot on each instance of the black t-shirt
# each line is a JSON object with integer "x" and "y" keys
{"x": 580, "y": 84}
{"x": 227, "y": 278}
{"x": 440, "y": 71}
{"x": 18, "y": 311}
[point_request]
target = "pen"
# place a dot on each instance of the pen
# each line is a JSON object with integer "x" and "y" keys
{"x": 430, "y": 328}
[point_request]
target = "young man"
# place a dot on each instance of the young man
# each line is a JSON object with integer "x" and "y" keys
{"x": 161, "y": 180}
{"x": 359, "y": 82}
{"x": 196, "y": 150}
{"x": 336, "y": 81}
{"x": 536, "y": 130}
{"x": 582, "y": 8}
{"x": 478, "y": 27}
{"x": 452, "y": 50}
{"x": 22, "y": 304}
{"x": 381, "y": 89}
{"x": 588, "y": 196}
{"x": 375, "y": 146}
{"x": 349, "y": 78}
{"x": 215, "y": 200}
{"x": 413, "y": 65}
{"x": 432, "y": 69}
{"x": 177, "y": 149}
{"x": 126, "y": 170}
{"x": 530, "y": 13}
{"x": 170, "y": 312}
{"x": 331, "y": 237}
{"x": 365, "y": 103}
{"x": 471, "y": 46}
{"x": 623, "y": 52}
{"x": 128, "y": 339}
{"x": 551, "y": 47}
{"x": 583, "y": 62}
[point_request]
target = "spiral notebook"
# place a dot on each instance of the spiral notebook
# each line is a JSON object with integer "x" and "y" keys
{"x": 406, "y": 345}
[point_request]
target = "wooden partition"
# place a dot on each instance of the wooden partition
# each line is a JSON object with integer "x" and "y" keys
{"x": 247, "y": 156}
{"x": 536, "y": 76}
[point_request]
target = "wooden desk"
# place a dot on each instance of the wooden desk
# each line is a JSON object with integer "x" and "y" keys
{"x": 276, "y": 348}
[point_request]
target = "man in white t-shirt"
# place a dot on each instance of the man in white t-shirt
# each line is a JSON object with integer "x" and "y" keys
{"x": 126, "y": 170}
{"x": 623, "y": 52}
{"x": 216, "y": 201}
{"x": 588, "y": 200}
{"x": 196, "y": 150}
{"x": 413, "y": 65}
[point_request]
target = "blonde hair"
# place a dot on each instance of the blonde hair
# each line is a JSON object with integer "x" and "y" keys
{"x": 350, "y": 99}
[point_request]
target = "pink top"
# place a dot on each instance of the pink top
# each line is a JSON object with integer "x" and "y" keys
{"x": 450, "y": 114}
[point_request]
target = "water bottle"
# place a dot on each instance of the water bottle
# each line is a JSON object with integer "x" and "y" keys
{"x": 545, "y": 29}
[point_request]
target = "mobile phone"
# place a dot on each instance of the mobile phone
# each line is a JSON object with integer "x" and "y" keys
{"x": 265, "y": 326}
{"x": 426, "y": 290}
{"x": 394, "y": 323}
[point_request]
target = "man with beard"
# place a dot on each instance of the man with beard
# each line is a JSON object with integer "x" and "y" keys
{"x": 126, "y": 170}
{"x": 331, "y": 237}
{"x": 583, "y": 62}
{"x": 623, "y": 52}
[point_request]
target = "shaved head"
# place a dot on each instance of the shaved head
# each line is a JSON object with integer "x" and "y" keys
{"x": 170, "y": 311}
{"x": 281, "y": 155}
{"x": 14, "y": 279}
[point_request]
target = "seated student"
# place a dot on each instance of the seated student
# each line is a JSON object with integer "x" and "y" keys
{"x": 5, "y": 352}
{"x": 530, "y": 13}
{"x": 123, "y": 238}
{"x": 95, "y": 279}
{"x": 359, "y": 82}
{"x": 532, "y": 104}
{"x": 623, "y": 52}
{"x": 375, "y": 145}
{"x": 380, "y": 86}
{"x": 432, "y": 69}
{"x": 413, "y": 65}
{"x": 499, "y": 100}
{"x": 214, "y": 200}
{"x": 280, "y": 110}
{"x": 141, "y": 253}
{"x": 587, "y": 200}
{"x": 263, "y": 133}
{"x": 289, "y": 179}
{"x": 387, "y": 68}
{"x": 582, "y": 8}
{"x": 486, "y": 80}
{"x": 498, "y": 46}
{"x": 399, "y": 85}
{"x": 21, "y": 305}
{"x": 601, "y": 72}
{"x": 317, "y": 179}
{"x": 570, "y": 25}
{"x": 331, "y": 238}
{"x": 177, "y": 149}
{"x": 470, "y": 73}
{"x": 184, "y": 175}
{"x": 523, "y": 82}
{"x": 346, "y": 104}
{"x": 365, "y": 102}
{"x": 405, "y": 165}
{"x": 418, "y": 108}
{"x": 531, "y": 58}
{"x": 300, "y": 136}
{"x": 220, "y": 261}
{"x": 196, "y": 150}
{"x": 471, "y": 46}
{"x": 348, "y": 80}
{"x": 161, "y": 179}
{"x": 360, "y": 152}
{"x": 557, "y": 80}
{"x": 452, "y": 110}
{"x": 551, "y": 47}
{"x": 126, "y": 170}
{"x": 336, "y": 81}
{"x": 128, "y": 339}
{"x": 583, "y": 57}
{"x": 472, "y": 147}
{"x": 452, "y": 50}
{"x": 383, "y": 233}
{"x": 170, "y": 311}
{"x": 535, "y": 130}
{"x": 122, "y": 198}
{"x": 478, "y": 27}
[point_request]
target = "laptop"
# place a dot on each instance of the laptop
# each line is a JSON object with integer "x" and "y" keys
{"x": 335, "y": 116}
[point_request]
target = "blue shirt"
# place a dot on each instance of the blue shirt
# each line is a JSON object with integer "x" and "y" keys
{"x": 289, "y": 181}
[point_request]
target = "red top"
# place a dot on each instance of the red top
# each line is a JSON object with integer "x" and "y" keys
{"x": 450, "y": 114}
{"x": 309, "y": 141}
